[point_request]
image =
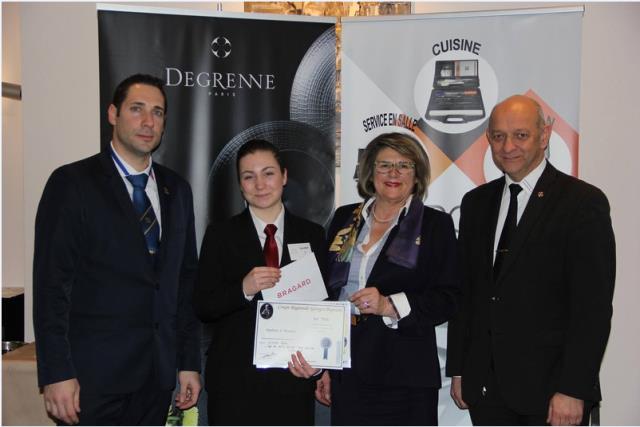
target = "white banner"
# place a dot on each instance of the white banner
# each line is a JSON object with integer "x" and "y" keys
{"x": 437, "y": 77}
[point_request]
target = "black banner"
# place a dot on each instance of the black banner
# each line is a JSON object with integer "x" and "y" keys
{"x": 230, "y": 80}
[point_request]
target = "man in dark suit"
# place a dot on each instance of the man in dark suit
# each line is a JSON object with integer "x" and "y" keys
{"x": 538, "y": 256}
{"x": 114, "y": 269}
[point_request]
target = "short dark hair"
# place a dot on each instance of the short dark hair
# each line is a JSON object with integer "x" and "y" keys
{"x": 122, "y": 90}
{"x": 404, "y": 144}
{"x": 254, "y": 145}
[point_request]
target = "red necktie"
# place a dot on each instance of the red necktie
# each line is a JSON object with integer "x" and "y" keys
{"x": 270, "y": 249}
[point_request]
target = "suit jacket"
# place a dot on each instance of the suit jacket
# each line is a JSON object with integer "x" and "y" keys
{"x": 545, "y": 320}
{"x": 230, "y": 250}
{"x": 106, "y": 312}
{"x": 408, "y": 356}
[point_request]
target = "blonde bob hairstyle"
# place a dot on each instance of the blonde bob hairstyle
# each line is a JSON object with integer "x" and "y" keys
{"x": 405, "y": 145}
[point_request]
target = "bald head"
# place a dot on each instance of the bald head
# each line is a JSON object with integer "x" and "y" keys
{"x": 518, "y": 136}
{"x": 520, "y": 103}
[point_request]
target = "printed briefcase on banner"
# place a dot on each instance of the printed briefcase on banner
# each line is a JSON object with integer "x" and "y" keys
{"x": 456, "y": 96}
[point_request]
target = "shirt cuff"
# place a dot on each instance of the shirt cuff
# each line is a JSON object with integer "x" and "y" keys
{"x": 402, "y": 305}
{"x": 390, "y": 322}
{"x": 248, "y": 297}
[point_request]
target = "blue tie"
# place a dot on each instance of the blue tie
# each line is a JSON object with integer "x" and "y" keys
{"x": 146, "y": 215}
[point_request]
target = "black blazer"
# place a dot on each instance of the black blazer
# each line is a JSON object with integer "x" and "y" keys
{"x": 104, "y": 312}
{"x": 408, "y": 356}
{"x": 546, "y": 318}
{"x": 229, "y": 251}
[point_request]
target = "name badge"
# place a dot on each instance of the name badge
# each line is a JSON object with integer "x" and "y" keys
{"x": 298, "y": 250}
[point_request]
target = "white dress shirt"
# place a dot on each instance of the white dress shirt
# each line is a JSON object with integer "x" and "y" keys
{"x": 260, "y": 226}
{"x": 400, "y": 299}
{"x": 279, "y": 236}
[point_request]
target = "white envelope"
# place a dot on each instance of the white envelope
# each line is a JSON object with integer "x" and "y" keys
{"x": 300, "y": 281}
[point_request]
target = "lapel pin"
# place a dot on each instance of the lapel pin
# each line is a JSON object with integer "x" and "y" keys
{"x": 166, "y": 190}
{"x": 540, "y": 194}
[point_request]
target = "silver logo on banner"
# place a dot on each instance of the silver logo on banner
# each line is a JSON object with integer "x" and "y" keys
{"x": 221, "y": 47}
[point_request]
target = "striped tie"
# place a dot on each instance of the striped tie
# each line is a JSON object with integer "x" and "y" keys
{"x": 146, "y": 215}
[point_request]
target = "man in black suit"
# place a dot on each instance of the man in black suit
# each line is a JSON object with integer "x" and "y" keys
{"x": 114, "y": 269}
{"x": 538, "y": 256}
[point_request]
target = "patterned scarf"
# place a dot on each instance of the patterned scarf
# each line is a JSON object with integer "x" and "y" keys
{"x": 403, "y": 249}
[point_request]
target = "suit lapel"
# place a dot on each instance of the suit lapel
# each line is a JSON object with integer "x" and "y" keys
{"x": 165, "y": 195}
{"x": 289, "y": 236}
{"x": 540, "y": 199}
{"x": 118, "y": 189}
{"x": 493, "y": 210}
{"x": 247, "y": 233}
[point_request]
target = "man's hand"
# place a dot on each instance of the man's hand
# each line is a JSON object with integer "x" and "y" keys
{"x": 189, "y": 389}
{"x": 565, "y": 410}
{"x": 62, "y": 400}
{"x": 456, "y": 392}
{"x": 323, "y": 389}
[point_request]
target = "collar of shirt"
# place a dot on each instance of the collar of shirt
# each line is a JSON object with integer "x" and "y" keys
{"x": 368, "y": 217}
{"x": 148, "y": 170}
{"x": 529, "y": 182}
{"x": 260, "y": 225}
{"x": 366, "y": 209}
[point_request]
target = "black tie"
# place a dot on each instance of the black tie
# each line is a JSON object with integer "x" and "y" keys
{"x": 146, "y": 215}
{"x": 508, "y": 230}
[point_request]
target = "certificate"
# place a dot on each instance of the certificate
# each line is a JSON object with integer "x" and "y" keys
{"x": 300, "y": 281}
{"x": 319, "y": 330}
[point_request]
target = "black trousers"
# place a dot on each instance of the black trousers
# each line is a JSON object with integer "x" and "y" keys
{"x": 356, "y": 403}
{"x": 492, "y": 410}
{"x": 145, "y": 407}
